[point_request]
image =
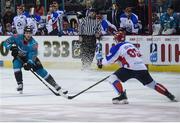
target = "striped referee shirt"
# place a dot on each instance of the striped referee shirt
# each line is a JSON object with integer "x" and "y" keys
{"x": 89, "y": 26}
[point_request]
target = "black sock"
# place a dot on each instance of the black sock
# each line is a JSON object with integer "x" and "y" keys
{"x": 18, "y": 76}
{"x": 51, "y": 81}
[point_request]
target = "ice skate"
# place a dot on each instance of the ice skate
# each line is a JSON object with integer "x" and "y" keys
{"x": 122, "y": 99}
{"x": 20, "y": 88}
{"x": 61, "y": 90}
{"x": 171, "y": 97}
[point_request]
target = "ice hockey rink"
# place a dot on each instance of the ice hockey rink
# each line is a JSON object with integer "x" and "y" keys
{"x": 38, "y": 104}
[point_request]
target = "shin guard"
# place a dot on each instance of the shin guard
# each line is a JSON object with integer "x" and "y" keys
{"x": 51, "y": 80}
{"x": 160, "y": 88}
{"x": 18, "y": 76}
{"x": 118, "y": 86}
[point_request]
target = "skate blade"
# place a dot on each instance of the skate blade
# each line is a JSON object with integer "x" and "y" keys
{"x": 65, "y": 92}
{"x": 125, "y": 101}
{"x": 62, "y": 94}
{"x": 174, "y": 100}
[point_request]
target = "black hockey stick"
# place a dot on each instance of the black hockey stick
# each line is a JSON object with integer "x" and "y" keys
{"x": 55, "y": 93}
{"x": 71, "y": 97}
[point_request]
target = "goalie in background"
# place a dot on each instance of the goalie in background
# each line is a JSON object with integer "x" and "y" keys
{"x": 24, "y": 50}
{"x": 132, "y": 66}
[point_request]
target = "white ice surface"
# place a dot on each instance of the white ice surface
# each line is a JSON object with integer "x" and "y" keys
{"x": 39, "y": 104}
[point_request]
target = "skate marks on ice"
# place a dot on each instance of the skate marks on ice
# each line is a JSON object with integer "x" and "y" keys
{"x": 89, "y": 112}
{"x": 38, "y": 104}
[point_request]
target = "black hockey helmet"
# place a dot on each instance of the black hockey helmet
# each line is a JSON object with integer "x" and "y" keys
{"x": 28, "y": 29}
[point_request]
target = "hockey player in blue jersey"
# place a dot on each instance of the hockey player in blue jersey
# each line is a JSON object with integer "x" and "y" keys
{"x": 24, "y": 50}
{"x": 132, "y": 66}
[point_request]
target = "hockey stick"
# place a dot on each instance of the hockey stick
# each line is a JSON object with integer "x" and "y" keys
{"x": 55, "y": 93}
{"x": 71, "y": 97}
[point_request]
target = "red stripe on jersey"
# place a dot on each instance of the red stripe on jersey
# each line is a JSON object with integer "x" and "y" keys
{"x": 123, "y": 61}
{"x": 55, "y": 26}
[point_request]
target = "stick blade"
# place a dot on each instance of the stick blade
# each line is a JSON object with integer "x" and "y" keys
{"x": 71, "y": 97}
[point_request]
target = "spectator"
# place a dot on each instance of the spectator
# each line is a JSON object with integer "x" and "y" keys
{"x": 67, "y": 30}
{"x": 169, "y": 22}
{"x": 33, "y": 21}
{"x": 8, "y": 4}
{"x": 49, "y": 20}
{"x": 55, "y": 20}
{"x": 106, "y": 26}
{"x": 56, "y": 8}
{"x": 142, "y": 12}
{"x": 25, "y": 10}
{"x": 50, "y": 10}
{"x": 39, "y": 9}
{"x": 156, "y": 26}
{"x": 164, "y": 5}
{"x": 113, "y": 15}
{"x": 8, "y": 16}
{"x": 8, "y": 29}
{"x": 129, "y": 21}
{"x": 73, "y": 23}
{"x": 19, "y": 21}
{"x": 88, "y": 5}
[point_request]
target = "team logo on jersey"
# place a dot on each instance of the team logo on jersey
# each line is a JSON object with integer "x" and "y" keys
{"x": 76, "y": 49}
{"x": 19, "y": 24}
{"x": 153, "y": 52}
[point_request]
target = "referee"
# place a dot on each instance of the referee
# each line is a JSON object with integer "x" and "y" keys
{"x": 89, "y": 30}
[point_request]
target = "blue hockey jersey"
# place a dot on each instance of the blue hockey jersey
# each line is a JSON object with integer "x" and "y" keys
{"x": 28, "y": 49}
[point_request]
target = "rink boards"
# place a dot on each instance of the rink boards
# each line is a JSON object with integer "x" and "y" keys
{"x": 161, "y": 53}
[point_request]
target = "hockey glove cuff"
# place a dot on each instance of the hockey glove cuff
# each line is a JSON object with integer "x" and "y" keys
{"x": 27, "y": 66}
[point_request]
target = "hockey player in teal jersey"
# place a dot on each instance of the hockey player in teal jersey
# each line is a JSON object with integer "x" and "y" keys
{"x": 24, "y": 50}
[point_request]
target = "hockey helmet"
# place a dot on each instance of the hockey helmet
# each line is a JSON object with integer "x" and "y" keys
{"x": 28, "y": 29}
{"x": 119, "y": 36}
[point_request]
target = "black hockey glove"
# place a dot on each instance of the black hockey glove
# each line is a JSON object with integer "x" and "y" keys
{"x": 27, "y": 66}
{"x": 14, "y": 50}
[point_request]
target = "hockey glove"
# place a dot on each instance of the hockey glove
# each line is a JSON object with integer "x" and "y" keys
{"x": 14, "y": 50}
{"x": 27, "y": 66}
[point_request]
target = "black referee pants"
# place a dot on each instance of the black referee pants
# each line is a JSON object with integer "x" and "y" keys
{"x": 88, "y": 48}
